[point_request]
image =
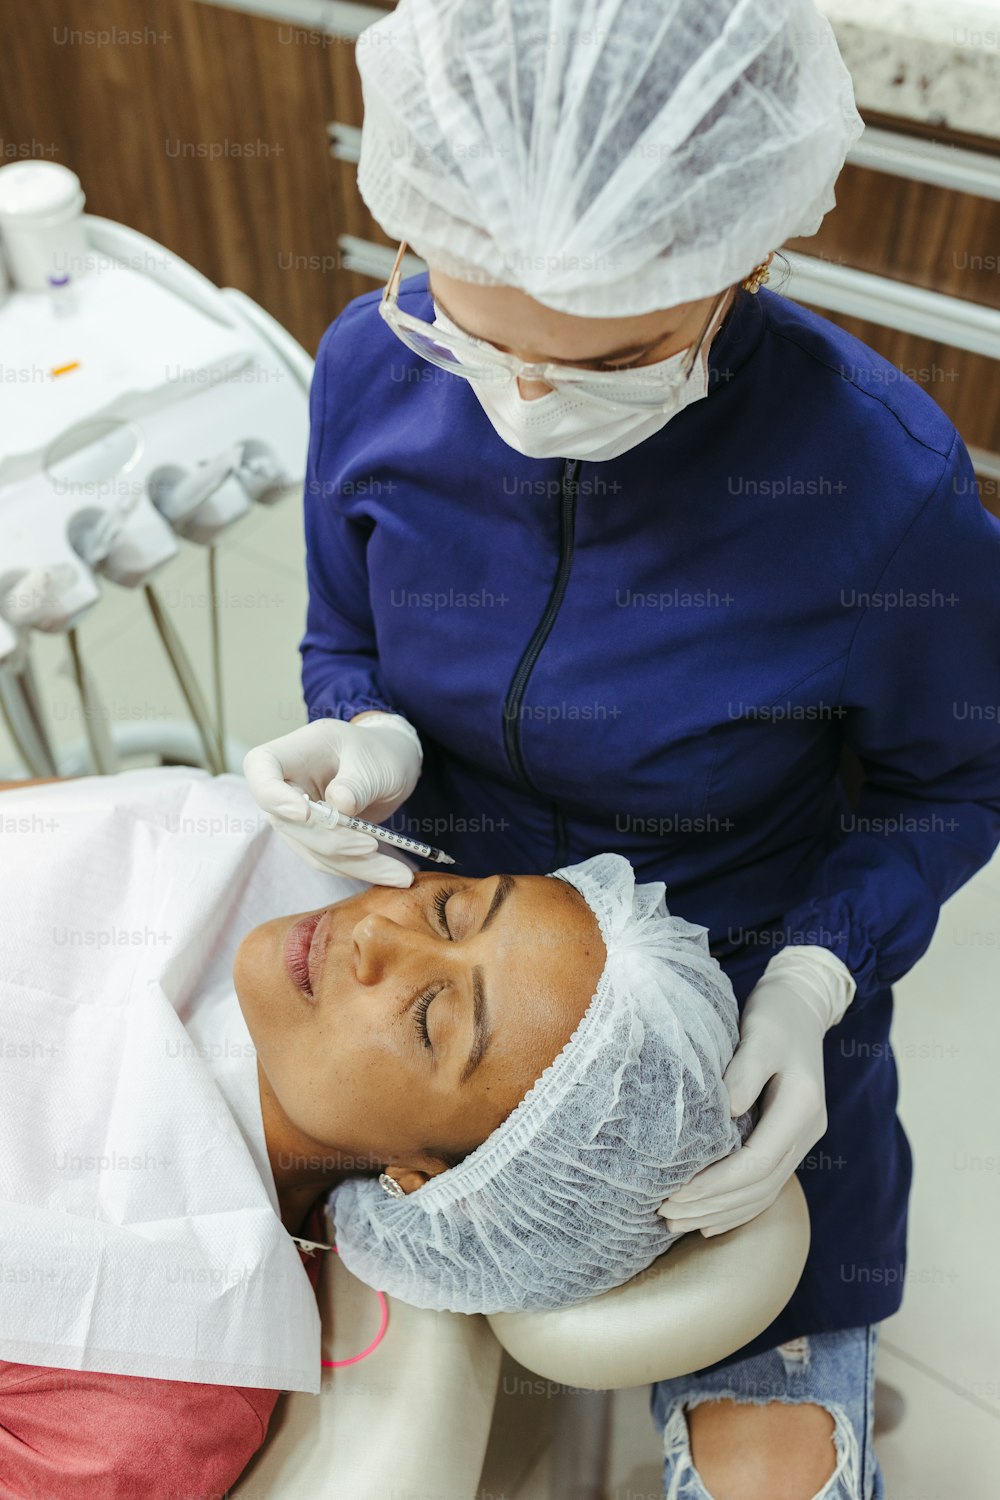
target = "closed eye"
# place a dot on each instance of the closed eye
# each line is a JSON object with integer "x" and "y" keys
{"x": 421, "y": 1006}
{"x": 440, "y": 905}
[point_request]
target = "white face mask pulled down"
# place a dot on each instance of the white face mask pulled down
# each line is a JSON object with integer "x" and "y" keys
{"x": 579, "y": 424}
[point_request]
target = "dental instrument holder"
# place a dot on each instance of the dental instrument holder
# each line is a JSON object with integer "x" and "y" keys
{"x": 135, "y": 432}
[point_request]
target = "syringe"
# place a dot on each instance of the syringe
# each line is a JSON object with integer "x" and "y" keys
{"x": 334, "y": 819}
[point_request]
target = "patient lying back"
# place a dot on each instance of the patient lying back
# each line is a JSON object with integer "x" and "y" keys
{"x": 395, "y": 1030}
{"x": 500, "y": 1080}
{"x": 529, "y": 1065}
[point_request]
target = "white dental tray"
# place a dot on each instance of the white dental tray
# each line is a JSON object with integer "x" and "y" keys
{"x": 129, "y": 345}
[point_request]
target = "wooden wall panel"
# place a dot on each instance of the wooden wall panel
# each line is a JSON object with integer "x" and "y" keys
{"x": 945, "y": 241}
{"x": 209, "y": 136}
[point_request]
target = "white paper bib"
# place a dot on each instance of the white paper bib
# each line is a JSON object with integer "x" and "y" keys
{"x": 139, "y": 1230}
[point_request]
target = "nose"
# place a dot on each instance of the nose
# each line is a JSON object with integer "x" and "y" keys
{"x": 379, "y": 943}
{"x": 531, "y": 390}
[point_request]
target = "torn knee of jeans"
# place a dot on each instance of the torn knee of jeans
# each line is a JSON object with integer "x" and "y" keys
{"x": 846, "y": 1477}
{"x": 698, "y": 1398}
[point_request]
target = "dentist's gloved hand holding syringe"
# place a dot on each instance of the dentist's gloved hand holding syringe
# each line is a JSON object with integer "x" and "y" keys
{"x": 366, "y": 768}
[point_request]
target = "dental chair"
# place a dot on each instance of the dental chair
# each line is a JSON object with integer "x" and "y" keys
{"x": 412, "y": 1420}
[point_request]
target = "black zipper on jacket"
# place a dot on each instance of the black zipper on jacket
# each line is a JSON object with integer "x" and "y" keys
{"x": 525, "y": 667}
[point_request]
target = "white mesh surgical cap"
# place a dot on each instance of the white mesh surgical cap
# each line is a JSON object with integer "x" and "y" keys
{"x": 608, "y": 157}
{"x": 559, "y": 1203}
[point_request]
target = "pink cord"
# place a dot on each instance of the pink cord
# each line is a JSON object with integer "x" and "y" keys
{"x": 338, "y": 1364}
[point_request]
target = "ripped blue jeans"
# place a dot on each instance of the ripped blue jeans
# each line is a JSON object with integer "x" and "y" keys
{"x": 834, "y": 1370}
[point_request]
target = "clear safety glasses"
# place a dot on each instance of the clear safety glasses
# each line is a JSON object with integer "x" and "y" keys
{"x": 474, "y": 359}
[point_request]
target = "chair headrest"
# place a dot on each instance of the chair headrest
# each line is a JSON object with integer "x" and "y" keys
{"x": 699, "y": 1302}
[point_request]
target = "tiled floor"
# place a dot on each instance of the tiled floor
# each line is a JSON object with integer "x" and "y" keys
{"x": 942, "y": 1351}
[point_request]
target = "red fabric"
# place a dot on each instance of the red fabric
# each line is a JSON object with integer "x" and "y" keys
{"x": 81, "y": 1435}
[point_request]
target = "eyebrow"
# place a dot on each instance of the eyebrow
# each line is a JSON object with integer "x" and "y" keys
{"x": 481, "y": 1033}
{"x": 505, "y": 884}
{"x": 593, "y": 359}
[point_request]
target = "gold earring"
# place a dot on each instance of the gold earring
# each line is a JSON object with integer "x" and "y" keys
{"x": 757, "y": 277}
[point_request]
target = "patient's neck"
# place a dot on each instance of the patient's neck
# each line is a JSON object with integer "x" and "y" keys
{"x": 302, "y": 1171}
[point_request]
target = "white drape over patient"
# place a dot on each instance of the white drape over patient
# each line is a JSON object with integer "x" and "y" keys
{"x": 139, "y": 1231}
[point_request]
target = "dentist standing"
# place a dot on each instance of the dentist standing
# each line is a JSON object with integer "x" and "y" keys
{"x": 611, "y": 549}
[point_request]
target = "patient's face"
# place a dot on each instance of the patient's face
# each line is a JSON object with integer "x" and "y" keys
{"x": 432, "y": 1010}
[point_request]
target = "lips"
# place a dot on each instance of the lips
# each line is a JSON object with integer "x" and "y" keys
{"x": 305, "y": 949}
{"x": 317, "y": 950}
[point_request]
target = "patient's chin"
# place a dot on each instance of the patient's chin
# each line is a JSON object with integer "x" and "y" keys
{"x": 243, "y": 969}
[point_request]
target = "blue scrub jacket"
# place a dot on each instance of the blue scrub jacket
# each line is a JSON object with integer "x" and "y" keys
{"x": 664, "y": 654}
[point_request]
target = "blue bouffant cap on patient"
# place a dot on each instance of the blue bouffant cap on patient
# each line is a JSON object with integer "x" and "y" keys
{"x": 559, "y": 1203}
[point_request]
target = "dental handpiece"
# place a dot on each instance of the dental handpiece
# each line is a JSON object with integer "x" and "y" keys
{"x": 334, "y": 819}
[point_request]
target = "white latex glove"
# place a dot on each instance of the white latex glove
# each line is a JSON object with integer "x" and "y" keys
{"x": 801, "y": 994}
{"x": 366, "y": 768}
